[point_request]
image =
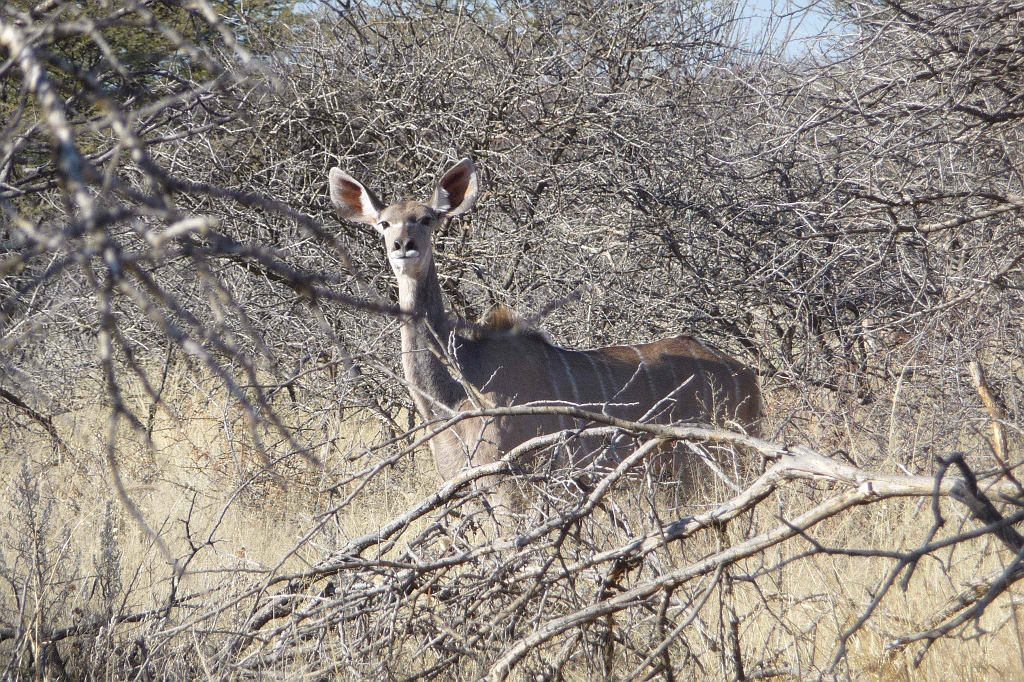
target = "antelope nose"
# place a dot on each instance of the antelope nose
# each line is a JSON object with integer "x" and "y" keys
{"x": 405, "y": 245}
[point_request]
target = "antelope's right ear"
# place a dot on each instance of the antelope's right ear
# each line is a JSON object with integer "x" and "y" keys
{"x": 352, "y": 200}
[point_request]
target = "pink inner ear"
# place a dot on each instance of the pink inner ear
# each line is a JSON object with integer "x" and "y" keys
{"x": 352, "y": 195}
{"x": 456, "y": 186}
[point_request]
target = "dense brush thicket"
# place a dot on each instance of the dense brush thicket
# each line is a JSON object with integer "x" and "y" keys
{"x": 845, "y": 216}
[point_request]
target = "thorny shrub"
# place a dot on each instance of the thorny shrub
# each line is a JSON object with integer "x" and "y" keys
{"x": 182, "y": 312}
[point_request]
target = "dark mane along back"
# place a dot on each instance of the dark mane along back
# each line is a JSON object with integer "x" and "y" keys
{"x": 501, "y": 320}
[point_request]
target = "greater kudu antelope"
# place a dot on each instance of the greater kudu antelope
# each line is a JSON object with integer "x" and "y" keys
{"x": 672, "y": 380}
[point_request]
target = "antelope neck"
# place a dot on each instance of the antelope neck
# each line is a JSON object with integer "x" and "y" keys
{"x": 420, "y": 335}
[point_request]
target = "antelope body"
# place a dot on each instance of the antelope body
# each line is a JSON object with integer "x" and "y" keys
{"x": 672, "y": 380}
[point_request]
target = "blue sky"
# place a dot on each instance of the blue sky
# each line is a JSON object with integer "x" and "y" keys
{"x": 798, "y": 24}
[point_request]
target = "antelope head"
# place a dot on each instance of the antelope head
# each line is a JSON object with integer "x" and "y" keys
{"x": 406, "y": 226}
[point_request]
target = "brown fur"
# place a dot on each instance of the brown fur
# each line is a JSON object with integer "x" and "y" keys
{"x": 693, "y": 381}
{"x": 500, "y": 318}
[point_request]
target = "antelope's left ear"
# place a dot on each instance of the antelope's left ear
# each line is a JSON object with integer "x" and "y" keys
{"x": 456, "y": 192}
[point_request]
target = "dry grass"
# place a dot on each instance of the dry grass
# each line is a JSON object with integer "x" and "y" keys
{"x": 202, "y": 483}
{"x": 207, "y": 495}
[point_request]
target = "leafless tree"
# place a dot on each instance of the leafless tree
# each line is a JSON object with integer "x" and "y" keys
{"x": 846, "y": 219}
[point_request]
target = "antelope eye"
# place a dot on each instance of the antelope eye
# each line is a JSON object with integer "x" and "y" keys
{"x": 384, "y": 224}
{"x": 425, "y": 220}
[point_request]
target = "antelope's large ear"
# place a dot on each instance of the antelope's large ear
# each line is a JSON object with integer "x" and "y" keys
{"x": 457, "y": 191}
{"x": 352, "y": 200}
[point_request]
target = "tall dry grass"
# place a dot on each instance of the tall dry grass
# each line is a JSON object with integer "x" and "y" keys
{"x": 232, "y": 523}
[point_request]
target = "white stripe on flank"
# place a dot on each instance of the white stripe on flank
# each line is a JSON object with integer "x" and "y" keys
{"x": 600, "y": 379}
{"x": 709, "y": 397}
{"x": 724, "y": 359}
{"x": 554, "y": 383}
{"x": 611, "y": 380}
{"x": 675, "y": 375}
{"x": 676, "y": 386}
{"x": 647, "y": 372}
{"x": 568, "y": 373}
{"x": 736, "y": 394}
